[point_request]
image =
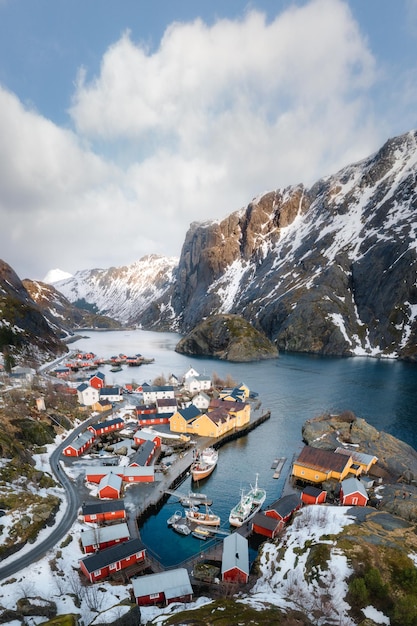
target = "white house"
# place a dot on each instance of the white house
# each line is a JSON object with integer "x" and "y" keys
{"x": 87, "y": 395}
{"x": 112, "y": 394}
{"x": 153, "y": 393}
{"x": 201, "y": 401}
{"x": 190, "y": 373}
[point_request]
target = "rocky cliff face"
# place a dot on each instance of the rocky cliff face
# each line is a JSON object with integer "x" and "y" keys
{"x": 24, "y": 329}
{"x": 328, "y": 270}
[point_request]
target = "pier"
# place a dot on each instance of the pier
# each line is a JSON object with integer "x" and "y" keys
{"x": 157, "y": 493}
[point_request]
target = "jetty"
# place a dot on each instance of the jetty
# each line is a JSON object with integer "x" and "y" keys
{"x": 277, "y": 465}
{"x": 157, "y": 493}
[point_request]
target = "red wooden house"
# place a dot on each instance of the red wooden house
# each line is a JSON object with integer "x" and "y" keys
{"x": 265, "y": 525}
{"x": 141, "y": 436}
{"x": 353, "y": 492}
{"x": 110, "y": 426}
{"x": 102, "y": 512}
{"x": 283, "y": 508}
{"x": 97, "y": 380}
{"x": 93, "y": 539}
{"x": 111, "y": 560}
{"x": 80, "y": 444}
{"x": 96, "y": 473}
{"x": 313, "y": 495}
{"x": 144, "y": 454}
{"x": 235, "y": 558}
{"x": 163, "y": 588}
{"x": 139, "y": 474}
{"x": 146, "y": 409}
{"x": 110, "y": 486}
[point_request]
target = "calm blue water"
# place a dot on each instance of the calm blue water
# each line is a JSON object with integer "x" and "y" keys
{"x": 294, "y": 387}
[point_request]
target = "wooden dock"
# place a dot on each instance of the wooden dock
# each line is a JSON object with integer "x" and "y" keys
{"x": 277, "y": 465}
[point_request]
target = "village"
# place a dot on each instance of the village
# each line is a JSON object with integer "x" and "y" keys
{"x": 194, "y": 413}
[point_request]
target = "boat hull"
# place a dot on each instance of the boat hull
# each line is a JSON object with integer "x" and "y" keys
{"x": 208, "y": 519}
{"x": 204, "y": 465}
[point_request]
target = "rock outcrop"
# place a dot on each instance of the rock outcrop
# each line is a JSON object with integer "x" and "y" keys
{"x": 227, "y": 337}
{"x": 396, "y": 465}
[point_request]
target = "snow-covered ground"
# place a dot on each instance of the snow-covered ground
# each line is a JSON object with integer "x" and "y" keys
{"x": 282, "y": 581}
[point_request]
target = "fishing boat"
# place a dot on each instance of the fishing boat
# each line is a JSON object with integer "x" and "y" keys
{"x": 181, "y": 528}
{"x": 249, "y": 504}
{"x": 204, "y": 463}
{"x": 201, "y": 533}
{"x": 207, "y": 518}
{"x": 116, "y": 368}
{"x": 174, "y": 518}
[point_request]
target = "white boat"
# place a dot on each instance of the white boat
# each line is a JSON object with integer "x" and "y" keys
{"x": 204, "y": 464}
{"x": 181, "y": 528}
{"x": 174, "y": 518}
{"x": 249, "y": 504}
{"x": 208, "y": 518}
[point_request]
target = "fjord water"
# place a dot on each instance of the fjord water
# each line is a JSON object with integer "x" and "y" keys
{"x": 293, "y": 387}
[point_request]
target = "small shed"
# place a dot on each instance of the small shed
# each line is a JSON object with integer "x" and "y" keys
{"x": 266, "y": 526}
{"x": 235, "y": 558}
{"x": 110, "y": 486}
{"x": 353, "y": 492}
{"x": 163, "y": 588}
{"x": 97, "y": 380}
{"x": 283, "y": 508}
{"x": 313, "y": 495}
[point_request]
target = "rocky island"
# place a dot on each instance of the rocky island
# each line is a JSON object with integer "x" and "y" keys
{"x": 227, "y": 337}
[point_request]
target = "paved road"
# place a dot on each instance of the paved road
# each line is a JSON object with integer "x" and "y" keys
{"x": 62, "y": 528}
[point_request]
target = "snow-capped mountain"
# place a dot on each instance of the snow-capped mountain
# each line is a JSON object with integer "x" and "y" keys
{"x": 123, "y": 293}
{"x": 329, "y": 269}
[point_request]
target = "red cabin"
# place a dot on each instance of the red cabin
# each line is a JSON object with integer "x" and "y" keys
{"x": 111, "y": 560}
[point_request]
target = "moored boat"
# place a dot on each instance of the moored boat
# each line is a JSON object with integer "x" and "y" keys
{"x": 204, "y": 463}
{"x": 181, "y": 528}
{"x": 207, "y": 518}
{"x": 174, "y": 518}
{"x": 249, "y": 504}
{"x": 201, "y": 533}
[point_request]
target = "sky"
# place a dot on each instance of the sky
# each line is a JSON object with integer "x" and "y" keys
{"x": 121, "y": 123}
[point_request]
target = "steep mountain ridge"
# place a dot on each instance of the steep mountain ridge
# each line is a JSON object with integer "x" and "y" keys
{"x": 329, "y": 269}
{"x": 24, "y": 329}
{"x": 123, "y": 293}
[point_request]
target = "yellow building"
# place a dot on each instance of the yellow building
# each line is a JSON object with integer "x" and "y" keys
{"x": 240, "y": 411}
{"x": 315, "y": 465}
{"x": 222, "y": 417}
{"x": 182, "y": 420}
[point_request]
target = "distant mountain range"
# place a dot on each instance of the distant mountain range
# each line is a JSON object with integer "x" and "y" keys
{"x": 329, "y": 269}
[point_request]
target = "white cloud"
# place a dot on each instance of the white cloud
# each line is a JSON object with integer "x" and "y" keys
{"x": 191, "y": 130}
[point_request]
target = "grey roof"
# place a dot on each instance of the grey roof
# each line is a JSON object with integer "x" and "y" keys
{"x": 265, "y": 521}
{"x": 111, "y": 480}
{"x": 353, "y": 485}
{"x": 106, "y": 424}
{"x": 102, "y": 506}
{"x": 81, "y": 440}
{"x": 112, "y": 555}
{"x": 235, "y": 553}
{"x": 285, "y": 505}
{"x": 95, "y": 536}
{"x": 173, "y": 583}
{"x": 143, "y": 453}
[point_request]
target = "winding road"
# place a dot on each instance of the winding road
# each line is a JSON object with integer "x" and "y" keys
{"x": 63, "y": 527}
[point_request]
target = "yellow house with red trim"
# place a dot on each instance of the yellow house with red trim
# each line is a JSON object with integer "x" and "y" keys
{"x": 315, "y": 465}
